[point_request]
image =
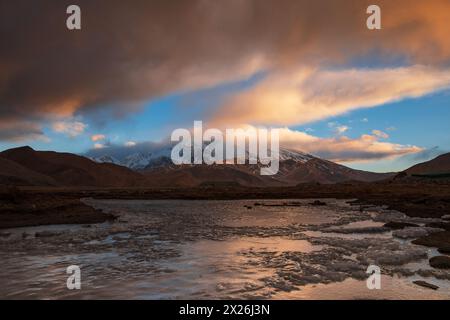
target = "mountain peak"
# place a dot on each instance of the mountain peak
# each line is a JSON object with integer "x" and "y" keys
{"x": 21, "y": 149}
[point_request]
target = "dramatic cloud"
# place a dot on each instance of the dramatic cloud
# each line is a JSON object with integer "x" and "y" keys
{"x": 344, "y": 149}
{"x": 21, "y": 131}
{"x": 308, "y": 95}
{"x": 129, "y": 52}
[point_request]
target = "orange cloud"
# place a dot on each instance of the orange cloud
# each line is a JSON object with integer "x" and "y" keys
{"x": 344, "y": 149}
{"x": 419, "y": 29}
{"x": 98, "y": 137}
{"x": 71, "y": 128}
{"x": 308, "y": 95}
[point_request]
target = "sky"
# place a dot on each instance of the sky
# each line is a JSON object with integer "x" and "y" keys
{"x": 375, "y": 100}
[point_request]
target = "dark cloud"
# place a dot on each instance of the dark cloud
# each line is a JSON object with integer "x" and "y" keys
{"x": 21, "y": 131}
{"x": 129, "y": 51}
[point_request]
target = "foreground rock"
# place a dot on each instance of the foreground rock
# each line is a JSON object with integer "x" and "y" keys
{"x": 318, "y": 203}
{"x": 414, "y": 232}
{"x": 46, "y": 234}
{"x": 440, "y": 262}
{"x": 20, "y": 209}
{"x": 440, "y": 225}
{"x": 438, "y": 239}
{"x": 426, "y": 284}
{"x": 444, "y": 250}
{"x": 356, "y": 230}
{"x": 399, "y": 225}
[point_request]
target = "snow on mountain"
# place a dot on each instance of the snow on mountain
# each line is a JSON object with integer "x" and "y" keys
{"x": 297, "y": 156}
{"x": 295, "y": 167}
{"x": 106, "y": 159}
{"x": 161, "y": 157}
{"x": 137, "y": 161}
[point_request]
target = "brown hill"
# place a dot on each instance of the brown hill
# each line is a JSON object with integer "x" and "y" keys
{"x": 437, "y": 166}
{"x": 326, "y": 172}
{"x": 195, "y": 175}
{"x": 64, "y": 169}
{"x": 12, "y": 173}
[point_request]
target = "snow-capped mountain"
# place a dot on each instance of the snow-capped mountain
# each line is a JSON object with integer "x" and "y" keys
{"x": 106, "y": 159}
{"x": 148, "y": 160}
{"x": 295, "y": 167}
{"x": 137, "y": 160}
{"x": 297, "y": 156}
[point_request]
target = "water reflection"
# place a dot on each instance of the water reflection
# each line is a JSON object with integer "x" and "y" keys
{"x": 216, "y": 249}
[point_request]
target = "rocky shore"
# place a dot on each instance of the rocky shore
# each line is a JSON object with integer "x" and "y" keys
{"x": 22, "y": 209}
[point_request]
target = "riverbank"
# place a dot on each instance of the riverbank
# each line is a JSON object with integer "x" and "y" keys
{"x": 22, "y": 209}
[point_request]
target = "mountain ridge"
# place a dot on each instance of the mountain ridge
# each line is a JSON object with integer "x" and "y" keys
{"x": 25, "y": 166}
{"x": 295, "y": 167}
